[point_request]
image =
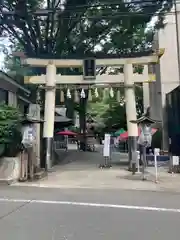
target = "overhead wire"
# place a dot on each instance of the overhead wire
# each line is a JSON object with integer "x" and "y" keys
{"x": 92, "y": 6}
{"x": 121, "y": 14}
{"x": 114, "y": 16}
{"x": 106, "y": 5}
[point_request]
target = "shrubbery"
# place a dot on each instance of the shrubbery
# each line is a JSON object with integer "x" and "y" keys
{"x": 10, "y": 130}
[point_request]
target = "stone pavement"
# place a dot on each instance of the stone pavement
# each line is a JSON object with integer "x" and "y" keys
{"x": 82, "y": 171}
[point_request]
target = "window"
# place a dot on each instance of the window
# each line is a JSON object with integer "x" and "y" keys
{"x": 170, "y": 99}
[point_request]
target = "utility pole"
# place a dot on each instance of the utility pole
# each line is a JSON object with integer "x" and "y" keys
{"x": 177, "y": 34}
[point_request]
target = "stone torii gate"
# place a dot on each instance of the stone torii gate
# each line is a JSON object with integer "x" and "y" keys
{"x": 51, "y": 79}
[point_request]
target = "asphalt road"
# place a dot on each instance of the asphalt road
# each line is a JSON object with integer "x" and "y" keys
{"x": 59, "y": 214}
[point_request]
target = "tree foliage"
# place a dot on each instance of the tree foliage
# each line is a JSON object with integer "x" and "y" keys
{"x": 10, "y": 119}
{"x": 10, "y": 130}
{"x": 107, "y": 111}
{"x": 75, "y": 27}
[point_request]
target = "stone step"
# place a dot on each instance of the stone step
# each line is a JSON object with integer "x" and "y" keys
{"x": 40, "y": 174}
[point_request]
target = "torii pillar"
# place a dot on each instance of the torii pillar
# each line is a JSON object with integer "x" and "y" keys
{"x": 49, "y": 113}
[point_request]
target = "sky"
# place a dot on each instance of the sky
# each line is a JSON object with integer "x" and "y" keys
{"x": 4, "y": 41}
{"x": 1, "y": 58}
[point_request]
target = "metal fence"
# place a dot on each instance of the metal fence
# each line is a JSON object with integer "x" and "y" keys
{"x": 60, "y": 145}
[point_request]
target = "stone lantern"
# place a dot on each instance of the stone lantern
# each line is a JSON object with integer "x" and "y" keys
{"x": 145, "y": 124}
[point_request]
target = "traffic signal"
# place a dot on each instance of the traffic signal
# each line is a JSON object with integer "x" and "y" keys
{"x": 89, "y": 68}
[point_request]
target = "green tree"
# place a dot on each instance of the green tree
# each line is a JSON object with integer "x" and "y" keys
{"x": 75, "y": 27}
{"x": 108, "y": 112}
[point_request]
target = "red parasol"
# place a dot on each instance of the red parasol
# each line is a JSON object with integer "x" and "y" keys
{"x": 124, "y": 136}
{"x": 66, "y": 133}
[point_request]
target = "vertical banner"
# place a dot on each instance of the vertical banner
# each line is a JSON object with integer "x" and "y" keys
{"x": 76, "y": 122}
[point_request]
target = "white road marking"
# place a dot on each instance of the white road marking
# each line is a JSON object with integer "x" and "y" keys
{"x": 86, "y": 204}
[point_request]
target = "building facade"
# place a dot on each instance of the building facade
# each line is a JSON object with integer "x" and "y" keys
{"x": 167, "y": 72}
{"x": 13, "y": 93}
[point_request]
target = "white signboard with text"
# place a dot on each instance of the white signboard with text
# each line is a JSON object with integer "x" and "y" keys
{"x": 28, "y": 136}
{"x": 61, "y": 111}
{"x": 175, "y": 160}
{"x": 106, "y": 149}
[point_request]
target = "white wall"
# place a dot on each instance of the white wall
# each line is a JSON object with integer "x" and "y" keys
{"x": 169, "y": 63}
{"x": 167, "y": 72}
